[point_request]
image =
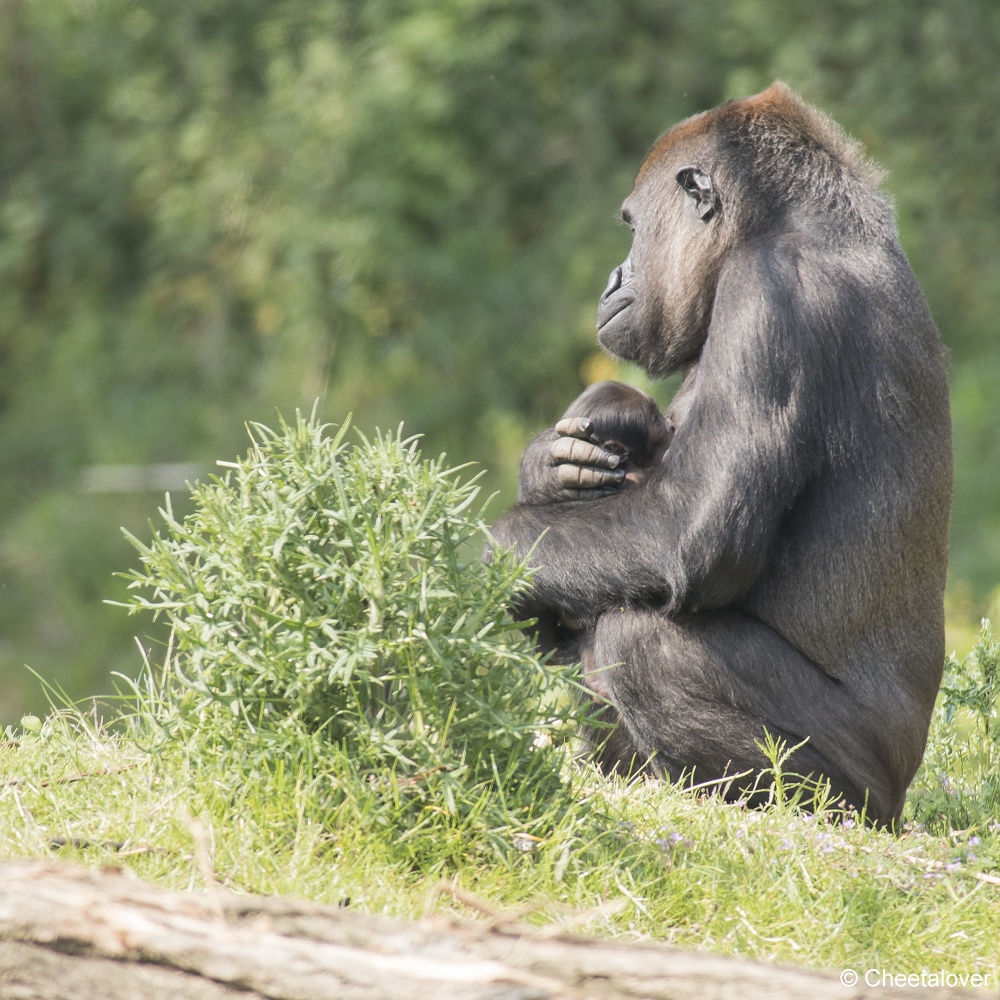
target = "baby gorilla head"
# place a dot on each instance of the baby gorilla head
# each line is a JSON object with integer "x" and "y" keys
{"x": 625, "y": 421}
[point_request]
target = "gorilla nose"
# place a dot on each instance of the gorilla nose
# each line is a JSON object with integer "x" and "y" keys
{"x": 614, "y": 282}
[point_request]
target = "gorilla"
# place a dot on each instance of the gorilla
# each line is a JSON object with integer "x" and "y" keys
{"x": 781, "y": 565}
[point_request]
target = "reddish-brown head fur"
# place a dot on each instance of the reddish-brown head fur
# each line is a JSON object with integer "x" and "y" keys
{"x": 776, "y": 108}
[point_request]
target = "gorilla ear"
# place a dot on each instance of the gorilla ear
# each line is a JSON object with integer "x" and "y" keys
{"x": 699, "y": 186}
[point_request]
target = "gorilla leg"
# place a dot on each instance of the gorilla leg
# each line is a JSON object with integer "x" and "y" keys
{"x": 700, "y": 692}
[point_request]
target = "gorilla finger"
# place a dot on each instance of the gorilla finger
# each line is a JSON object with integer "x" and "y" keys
{"x": 587, "y": 478}
{"x": 570, "y": 449}
{"x": 577, "y": 427}
{"x": 600, "y": 479}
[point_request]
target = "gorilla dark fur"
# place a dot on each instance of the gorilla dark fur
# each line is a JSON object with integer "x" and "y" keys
{"x": 782, "y": 566}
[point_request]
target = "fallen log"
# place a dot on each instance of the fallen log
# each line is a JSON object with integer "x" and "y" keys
{"x": 104, "y": 935}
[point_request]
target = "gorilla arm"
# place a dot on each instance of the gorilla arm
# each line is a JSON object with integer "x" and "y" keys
{"x": 697, "y": 532}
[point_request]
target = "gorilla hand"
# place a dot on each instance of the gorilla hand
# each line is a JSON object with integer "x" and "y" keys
{"x": 585, "y": 468}
{"x": 564, "y": 463}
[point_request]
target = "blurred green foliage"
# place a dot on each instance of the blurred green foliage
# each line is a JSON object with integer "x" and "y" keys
{"x": 213, "y": 208}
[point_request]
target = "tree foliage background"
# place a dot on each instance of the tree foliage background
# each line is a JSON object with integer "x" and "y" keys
{"x": 210, "y": 209}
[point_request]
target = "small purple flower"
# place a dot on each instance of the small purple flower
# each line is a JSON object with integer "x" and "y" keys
{"x": 972, "y": 841}
{"x": 670, "y": 841}
{"x": 847, "y": 824}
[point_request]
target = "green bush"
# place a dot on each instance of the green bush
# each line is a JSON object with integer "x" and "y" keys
{"x": 958, "y": 786}
{"x": 329, "y": 611}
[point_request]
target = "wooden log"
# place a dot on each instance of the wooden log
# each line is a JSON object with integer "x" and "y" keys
{"x": 84, "y": 935}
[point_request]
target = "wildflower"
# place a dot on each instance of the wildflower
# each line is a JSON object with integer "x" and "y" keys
{"x": 671, "y": 840}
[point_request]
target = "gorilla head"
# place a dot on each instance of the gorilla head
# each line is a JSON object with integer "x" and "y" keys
{"x": 710, "y": 185}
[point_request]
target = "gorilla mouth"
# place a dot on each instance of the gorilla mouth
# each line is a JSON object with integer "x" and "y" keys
{"x": 614, "y": 331}
{"x": 610, "y": 308}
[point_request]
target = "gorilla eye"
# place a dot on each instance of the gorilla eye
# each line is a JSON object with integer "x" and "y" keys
{"x": 699, "y": 186}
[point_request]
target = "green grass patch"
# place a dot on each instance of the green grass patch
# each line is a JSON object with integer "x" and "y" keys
{"x": 645, "y": 860}
{"x": 344, "y": 712}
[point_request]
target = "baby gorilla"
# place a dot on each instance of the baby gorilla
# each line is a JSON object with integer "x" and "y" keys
{"x": 627, "y": 422}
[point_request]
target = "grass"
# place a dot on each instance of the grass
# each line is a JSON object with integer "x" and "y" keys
{"x": 771, "y": 884}
{"x": 380, "y": 784}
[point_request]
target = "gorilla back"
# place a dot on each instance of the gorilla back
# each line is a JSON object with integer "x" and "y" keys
{"x": 783, "y": 566}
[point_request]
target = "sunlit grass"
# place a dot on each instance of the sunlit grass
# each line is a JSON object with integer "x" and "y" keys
{"x": 661, "y": 862}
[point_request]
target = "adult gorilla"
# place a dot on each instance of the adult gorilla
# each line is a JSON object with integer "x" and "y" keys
{"x": 783, "y": 566}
